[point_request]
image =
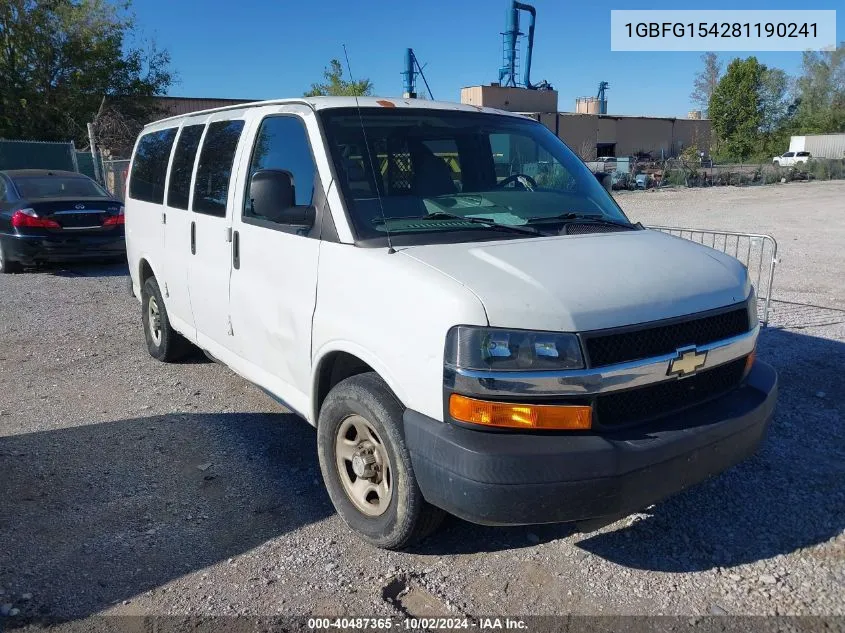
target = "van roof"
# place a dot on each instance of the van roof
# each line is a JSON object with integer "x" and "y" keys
{"x": 325, "y": 103}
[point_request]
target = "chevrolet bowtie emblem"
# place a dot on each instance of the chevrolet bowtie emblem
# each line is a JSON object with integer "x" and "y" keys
{"x": 687, "y": 362}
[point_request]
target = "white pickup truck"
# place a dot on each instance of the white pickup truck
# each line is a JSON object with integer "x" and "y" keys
{"x": 789, "y": 159}
{"x": 456, "y": 304}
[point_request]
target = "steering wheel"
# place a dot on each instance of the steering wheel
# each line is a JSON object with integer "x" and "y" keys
{"x": 523, "y": 179}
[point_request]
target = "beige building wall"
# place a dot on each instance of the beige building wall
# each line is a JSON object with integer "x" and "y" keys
{"x": 644, "y": 135}
{"x": 697, "y": 132}
{"x": 580, "y": 132}
{"x": 512, "y": 99}
{"x": 583, "y": 132}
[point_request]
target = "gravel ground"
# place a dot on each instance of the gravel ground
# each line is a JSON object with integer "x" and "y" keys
{"x": 134, "y": 487}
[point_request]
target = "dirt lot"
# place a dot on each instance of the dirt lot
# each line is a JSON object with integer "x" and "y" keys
{"x": 133, "y": 487}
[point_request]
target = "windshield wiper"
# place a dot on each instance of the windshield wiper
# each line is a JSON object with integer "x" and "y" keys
{"x": 585, "y": 217}
{"x": 442, "y": 215}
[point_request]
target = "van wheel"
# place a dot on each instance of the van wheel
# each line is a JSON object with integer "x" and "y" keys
{"x": 367, "y": 467}
{"x": 163, "y": 342}
{"x": 8, "y": 266}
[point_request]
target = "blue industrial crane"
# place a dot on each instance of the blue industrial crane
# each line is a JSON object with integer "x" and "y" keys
{"x": 511, "y": 35}
{"x": 412, "y": 69}
{"x": 603, "y": 86}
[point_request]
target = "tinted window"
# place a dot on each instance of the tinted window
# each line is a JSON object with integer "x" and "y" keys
{"x": 282, "y": 143}
{"x": 803, "y": 154}
{"x": 149, "y": 169}
{"x": 183, "y": 165}
{"x": 211, "y": 189}
{"x": 789, "y": 154}
{"x": 34, "y": 187}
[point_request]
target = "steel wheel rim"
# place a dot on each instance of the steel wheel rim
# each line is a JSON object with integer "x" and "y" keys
{"x": 154, "y": 320}
{"x": 363, "y": 466}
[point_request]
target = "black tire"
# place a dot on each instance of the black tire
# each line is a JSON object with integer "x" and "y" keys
{"x": 408, "y": 518}
{"x": 169, "y": 345}
{"x": 8, "y": 266}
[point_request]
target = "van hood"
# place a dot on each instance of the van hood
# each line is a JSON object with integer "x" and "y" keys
{"x": 589, "y": 282}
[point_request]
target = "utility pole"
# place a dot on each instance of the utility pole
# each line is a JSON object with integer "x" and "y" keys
{"x": 94, "y": 153}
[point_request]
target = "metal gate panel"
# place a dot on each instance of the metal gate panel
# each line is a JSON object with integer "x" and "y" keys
{"x": 757, "y": 252}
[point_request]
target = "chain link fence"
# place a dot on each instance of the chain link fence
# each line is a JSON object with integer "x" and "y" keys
{"x": 115, "y": 173}
{"x": 678, "y": 172}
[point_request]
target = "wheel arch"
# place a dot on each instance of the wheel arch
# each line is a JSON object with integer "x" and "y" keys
{"x": 339, "y": 362}
{"x": 145, "y": 270}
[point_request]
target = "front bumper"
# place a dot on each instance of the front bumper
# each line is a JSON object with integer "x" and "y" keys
{"x": 33, "y": 249}
{"x": 502, "y": 478}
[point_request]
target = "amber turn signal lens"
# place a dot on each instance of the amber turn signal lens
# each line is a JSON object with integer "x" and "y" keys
{"x": 520, "y": 416}
{"x": 749, "y": 362}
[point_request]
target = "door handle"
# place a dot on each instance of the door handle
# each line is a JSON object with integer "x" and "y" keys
{"x": 193, "y": 238}
{"x": 236, "y": 250}
{"x": 163, "y": 217}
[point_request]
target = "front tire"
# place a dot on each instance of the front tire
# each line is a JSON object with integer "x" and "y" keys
{"x": 366, "y": 465}
{"x": 163, "y": 342}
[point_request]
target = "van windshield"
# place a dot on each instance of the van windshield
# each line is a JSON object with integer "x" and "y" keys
{"x": 422, "y": 173}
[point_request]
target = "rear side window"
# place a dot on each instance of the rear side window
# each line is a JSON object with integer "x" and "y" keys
{"x": 149, "y": 168}
{"x": 211, "y": 189}
{"x": 183, "y": 165}
{"x": 282, "y": 143}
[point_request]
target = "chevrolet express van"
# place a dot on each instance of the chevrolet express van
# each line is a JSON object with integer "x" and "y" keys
{"x": 456, "y": 304}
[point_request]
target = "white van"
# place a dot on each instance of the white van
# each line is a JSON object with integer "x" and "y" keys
{"x": 454, "y": 301}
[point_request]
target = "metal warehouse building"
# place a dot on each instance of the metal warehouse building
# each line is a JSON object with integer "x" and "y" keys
{"x": 592, "y": 135}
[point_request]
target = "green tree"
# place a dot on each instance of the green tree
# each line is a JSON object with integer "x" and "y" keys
{"x": 64, "y": 61}
{"x": 820, "y": 92}
{"x": 336, "y": 86}
{"x": 776, "y": 112}
{"x": 736, "y": 109}
{"x": 705, "y": 81}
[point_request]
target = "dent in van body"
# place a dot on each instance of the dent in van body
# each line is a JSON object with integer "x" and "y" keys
{"x": 393, "y": 312}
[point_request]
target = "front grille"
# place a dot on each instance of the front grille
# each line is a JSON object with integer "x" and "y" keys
{"x": 645, "y": 403}
{"x": 628, "y": 345}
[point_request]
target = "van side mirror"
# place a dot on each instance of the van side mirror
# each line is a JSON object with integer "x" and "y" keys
{"x": 272, "y": 196}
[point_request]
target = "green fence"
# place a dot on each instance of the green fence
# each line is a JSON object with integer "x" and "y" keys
{"x": 48, "y": 155}
{"x": 85, "y": 164}
{"x": 37, "y": 155}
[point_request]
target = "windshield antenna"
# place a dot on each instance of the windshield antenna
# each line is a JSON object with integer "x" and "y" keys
{"x": 390, "y": 249}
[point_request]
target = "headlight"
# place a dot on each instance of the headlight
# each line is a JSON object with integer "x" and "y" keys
{"x": 482, "y": 348}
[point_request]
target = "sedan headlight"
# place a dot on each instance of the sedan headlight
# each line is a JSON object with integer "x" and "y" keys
{"x": 483, "y": 348}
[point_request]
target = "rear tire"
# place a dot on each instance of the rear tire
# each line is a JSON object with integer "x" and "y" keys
{"x": 366, "y": 465}
{"x": 8, "y": 266}
{"x": 163, "y": 342}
